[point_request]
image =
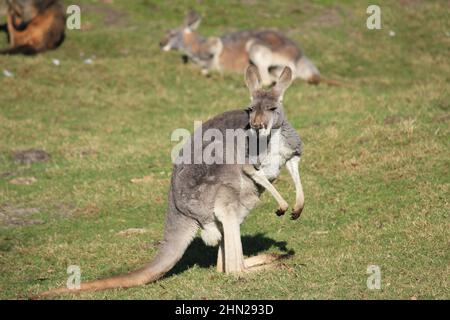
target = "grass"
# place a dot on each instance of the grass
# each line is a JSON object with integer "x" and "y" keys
{"x": 375, "y": 168}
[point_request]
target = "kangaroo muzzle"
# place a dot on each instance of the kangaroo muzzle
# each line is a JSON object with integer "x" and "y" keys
{"x": 258, "y": 123}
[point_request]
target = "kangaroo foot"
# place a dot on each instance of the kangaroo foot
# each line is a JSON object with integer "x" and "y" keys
{"x": 282, "y": 210}
{"x": 296, "y": 213}
{"x": 260, "y": 262}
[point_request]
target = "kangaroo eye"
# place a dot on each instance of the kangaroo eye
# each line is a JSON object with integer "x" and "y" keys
{"x": 273, "y": 108}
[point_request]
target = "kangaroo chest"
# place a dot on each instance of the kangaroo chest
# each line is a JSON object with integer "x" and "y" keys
{"x": 278, "y": 153}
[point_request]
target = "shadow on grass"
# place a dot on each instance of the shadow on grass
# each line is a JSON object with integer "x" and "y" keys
{"x": 205, "y": 257}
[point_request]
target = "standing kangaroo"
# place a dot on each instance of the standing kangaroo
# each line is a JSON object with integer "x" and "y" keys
{"x": 218, "y": 197}
{"x": 34, "y": 26}
{"x": 269, "y": 50}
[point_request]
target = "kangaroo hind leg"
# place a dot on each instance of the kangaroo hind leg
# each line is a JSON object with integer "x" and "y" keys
{"x": 261, "y": 56}
{"x": 226, "y": 209}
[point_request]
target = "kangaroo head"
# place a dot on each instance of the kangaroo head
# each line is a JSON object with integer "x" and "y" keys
{"x": 176, "y": 39}
{"x": 24, "y": 11}
{"x": 266, "y": 108}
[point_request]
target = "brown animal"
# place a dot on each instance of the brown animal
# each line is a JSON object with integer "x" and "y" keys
{"x": 34, "y": 26}
{"x": 269, "y": 50}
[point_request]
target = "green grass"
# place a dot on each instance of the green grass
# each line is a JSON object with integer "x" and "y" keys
{"x": 375, "y": 168}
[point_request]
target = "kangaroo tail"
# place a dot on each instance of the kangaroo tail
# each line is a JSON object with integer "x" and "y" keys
{"x": 337, "y": 83}
{"x": 306, "y": 70}
{"x": 330, "y": 82}
{"x": 24, "y": 49}
{"x": 178, "y": 234}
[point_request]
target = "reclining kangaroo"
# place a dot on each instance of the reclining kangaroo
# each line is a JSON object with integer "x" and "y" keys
{"x": 218, "y": 197}
{"x": 269, "y": 50}
{"x": 34, "y": 26}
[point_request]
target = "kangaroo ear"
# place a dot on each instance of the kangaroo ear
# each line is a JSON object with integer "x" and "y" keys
{"x": 192, "y": 20}
{"x": 28, "y": 13}
{"x": 283, "y": 83}
{"x": 252, "y": 79}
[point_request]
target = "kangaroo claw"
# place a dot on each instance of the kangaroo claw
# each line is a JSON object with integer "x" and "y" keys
{"x": 296, "y": 214}
{"x": 280, "y": 212}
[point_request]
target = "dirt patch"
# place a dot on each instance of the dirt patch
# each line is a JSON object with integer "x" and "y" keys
{"x": 132, "y": 231}
{"x": 145, "y": 179}
{"x": 89, "y": 210}
{"x": 392, "y": 120}
{"x": 26, "y": 181}
{"x": 30, "y": 156}
{"x": 111, "y": 16}
{"x": 443, "y": 118}
{"x": 11, "y": 216}
{"x": 7, "y": 174}
{"x": 82, "y": 152}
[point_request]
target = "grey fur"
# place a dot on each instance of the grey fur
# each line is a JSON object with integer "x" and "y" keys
{"x": 218, "y": 197}
{"x": 196, "y": 187}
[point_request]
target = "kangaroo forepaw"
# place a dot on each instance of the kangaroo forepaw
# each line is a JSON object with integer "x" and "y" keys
{"x": 283, "y": 206}
{"x": 296, "y": 214}
{"x": 280, "y": 212}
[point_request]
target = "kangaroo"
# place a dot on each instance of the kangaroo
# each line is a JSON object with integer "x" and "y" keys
{"x": 269, "y": 50}
{"x": 34, "y": 26}
{"x": 218, "y": 197}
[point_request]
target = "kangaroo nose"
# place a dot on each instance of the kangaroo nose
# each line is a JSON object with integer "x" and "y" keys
{"x": 314, "y": 79}
{"x": 257, "y": 125}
